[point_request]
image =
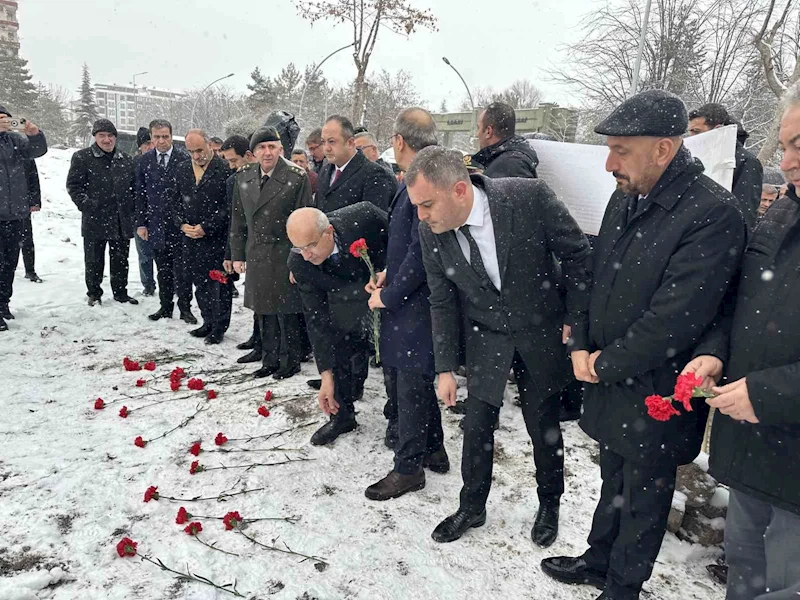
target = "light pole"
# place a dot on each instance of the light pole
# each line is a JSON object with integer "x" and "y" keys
{"x": 638, "y": 65}
{"x": 469, "y": 94}
{"x": 200, "y": 95}
{"x": 135, "y": 99}
{"x": 314, "y": 72}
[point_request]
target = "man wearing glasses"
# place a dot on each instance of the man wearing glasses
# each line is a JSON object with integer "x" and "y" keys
{"x": 368, "y": 145}
{"x": 315, "y": 149}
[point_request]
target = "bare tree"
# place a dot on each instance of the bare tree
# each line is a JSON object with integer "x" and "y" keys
{"x": 387, "y": 95}
{"x": 367, "y": 17}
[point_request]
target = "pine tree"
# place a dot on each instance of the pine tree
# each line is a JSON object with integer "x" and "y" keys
{"x": 48, "y": 113}
{"x": 86, "y": 113}
{"x": 262, "y": 96}
{"x": 18, "y": 93}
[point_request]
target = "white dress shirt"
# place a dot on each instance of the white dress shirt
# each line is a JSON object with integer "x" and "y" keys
{"x": 168, "y": 156}
{"x": 482, "y": 229}
{"x": 340, "y": 169}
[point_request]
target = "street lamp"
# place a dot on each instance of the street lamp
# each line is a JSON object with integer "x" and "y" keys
{"x": 200, "y": 95}
{"x": 135, "y": 99}
{"x": 314, "y": 72}
{"x": 469, "y": 94}
{"x": 638, "y": 65}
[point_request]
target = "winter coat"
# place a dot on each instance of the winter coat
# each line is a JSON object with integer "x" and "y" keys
{"x": 747, "y": 179}
{"x": 511, "y": 157}
{"x": 361, "y": 180}
{"x": 258, "y": 234}
{"x": 15, "y": 149}
{"x": 762, "y": 460}
{"x": 156, "y": 192}
{"x": 102, "y": 186}
{"x": 334, "y": 300}
{"x": 660, "y": 274}
{"x": 529, "y": 312}
{"x": 406, "y": 340}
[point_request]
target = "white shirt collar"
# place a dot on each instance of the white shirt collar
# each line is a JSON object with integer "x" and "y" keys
{"x": 267, "y": 174}
{"x": 168, "y": 152}
{"x": 476, "y": 215}
{"x": 344, "y": 166}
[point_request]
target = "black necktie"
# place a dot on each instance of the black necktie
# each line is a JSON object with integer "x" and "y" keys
{"x": 475, "y": 259}
{"x": 264, "y": 180}
{"x": 162, "y": 160}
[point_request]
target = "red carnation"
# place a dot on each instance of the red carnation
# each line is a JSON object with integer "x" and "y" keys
{"x": 151, "y": 493}
{"x": 263, "y": 411}
{"x": 177, "y": 372}
{"x": 123, "y": 412}
{"x": 130, "y": 365}
{"x": 659, "y": 408}
{"x": 139, "y": 442}
{"x": 193, "y": 528}
{"x": 219, "y": 276}
{"x": 196, "y": 467}
{"x": 232, "y": 520}
{"x": 195, "y": 384}
{"x": 268, "y": 396}
{"x": 358, "y": 248}
{"x": 684, "y": 389}
{"x": 220, "y": 439}
{"x": 126, "y": 547}
{"x": 141, "y": 382}
{"x": 150, "y": 366}
{"x": 175, "y": 385}
{"x": 195, "y": 449}
{"x": 99, "y": 404}
{"x": 211, "y": 394}
{"x": 183, "y": 516}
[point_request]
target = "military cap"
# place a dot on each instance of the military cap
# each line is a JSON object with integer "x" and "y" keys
{"x": 265, "y": 134}
{"x": 773, "y": 176}
{"x": 472, "y": 166}
{"x": 652, "y": 113}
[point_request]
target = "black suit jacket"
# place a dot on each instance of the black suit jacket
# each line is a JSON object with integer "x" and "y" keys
{"x": 361, "y": 180}
{"x": 530, "y": 225}
{"x": 204, "y": 203}
{"x": 334, "y": 300}
{"x": 156, "y": 193}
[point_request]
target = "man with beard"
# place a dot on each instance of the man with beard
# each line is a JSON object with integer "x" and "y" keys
{"x": 668, "y": 248}
{"x": 503, "y": 153}
{"x": 101, "y": 183}
{"x": 202, "y": 214}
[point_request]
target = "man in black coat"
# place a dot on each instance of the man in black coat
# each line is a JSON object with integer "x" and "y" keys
{"x": 348, "y": 177}
{"x": 101, "y": 183}
{"x": 202, "y": 214}
{"x": 667, "y": 250}
{"x": 35, "y": 202}
{"x": 486, "y": 244}
{"x": 406, "y": 343}
{"x": 15, "y": 149}
{"x": 331, "y": 284}
{"x": 748, "y": 174}
{"x": 503, "y": 153}
{"x": 755, "y": 438}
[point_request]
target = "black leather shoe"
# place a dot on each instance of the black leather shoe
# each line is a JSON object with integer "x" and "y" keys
{"x": 201, "y": 331}
{"x": 126, "y": 300}
{"x": 286, "y": 373}
{"x": 545, "y": 527}
{"x": 3, "y": 325}
{"x": 265, "y": 371}
{"x": 188, "y": 317}
{"x": 149, "y": 292}
{"x": 250, "y": 357}
{"x": 5, "y": 313}
{"x": 248, "y": 345}
{"x": 718, "y": 573}
{"x": 438, "y": 462}
{"x": 91, "y": 301}
{"x": 314, "y": 384}
{"x": 32, "y": 276}
{"x": 395, "y": 485}
{"x": 163, "y": 313}
{"x": 214, "y": 338}
{"x": 456, "y": 525}
{"x": 333, "y": 429}
{"x": 573, "y": 570}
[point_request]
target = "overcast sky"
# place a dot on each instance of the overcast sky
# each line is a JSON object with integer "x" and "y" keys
{"x": 188, "y": 43}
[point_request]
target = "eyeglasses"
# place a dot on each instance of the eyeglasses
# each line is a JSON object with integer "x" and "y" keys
{"x": 310, "y": 247}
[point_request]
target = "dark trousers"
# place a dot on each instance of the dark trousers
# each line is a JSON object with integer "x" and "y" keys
{"x": 144, "y": 249}
{"x": 360, "y": 362}
{"x": 280, "y": 340}
{"x": 541, "y": 421}
{"x": 94, "y": 258}
{"x": 10, "y": 238}
{"x": 629, "y": 522}
{"x": 256, "y": 335}
{"x": 213, "y": 298}
{"x": 572, "y": 397}
{"x": 172, "y": 279}
{"x": 28, "y": 251}
{"x": 419, "y": 422}
{"x": 348, "y": 382}
{"x": 305, "y": 341}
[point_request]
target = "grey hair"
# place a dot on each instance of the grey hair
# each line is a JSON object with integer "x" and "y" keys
{"x": 320, "y": 218}
{"x": 199, "y": 132}
{"x": 417, "y": 128}
{"x": 366, "y": 135}
{"x": 322, "y": 221}
{"x": 443, "y": 168}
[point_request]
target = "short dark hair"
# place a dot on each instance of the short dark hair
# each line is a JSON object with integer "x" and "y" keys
{"x": 315, "y": 136}
{"x": 714, "y": 115}
{"x": 360, "y": 129}
{"x": 300, "y": 151}
{"x": 160, "y": 124}
{"x": 442, "y": 167}
{"x": 417, "y": 128}
{"x": 237, "y": 143}
{"x": 348, "y": 130}
{"x": 502, "y": 118}
{"x": 216, "y": 140}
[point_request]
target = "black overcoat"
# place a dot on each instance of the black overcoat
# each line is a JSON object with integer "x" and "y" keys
{"x": 361, "y": 180}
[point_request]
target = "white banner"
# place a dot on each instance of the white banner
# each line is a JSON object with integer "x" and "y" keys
{"x": 577, "y": 172}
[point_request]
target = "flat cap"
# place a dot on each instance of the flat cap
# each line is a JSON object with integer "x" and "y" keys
{"x": 105, "y": 126}
{"x": 265, "y": 134}
{"x": 773, "y": 176}
{"x": 652, "y": 113}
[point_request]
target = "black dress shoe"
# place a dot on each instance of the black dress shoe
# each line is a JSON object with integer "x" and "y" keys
{"x": 149, "y": 292}
{"x": 214, "y": 338}
{"x": 573, "y": 570}
{"x": 163, "y": 313}
{"x": 333, "y": 429}
{"x": 188, "y": 317}
{"x": 126, "y": 300}
{"x": 719, "y": 573}
{"x": 314, "y": 384}
{"x": 248, "y": 345}
{"x": 32, "y": 276}
{"x": 201, "y": 331}
{"x": 456, "y": 525}
{"x": 265, "y": 371}
{"x": 395, "y": 485}
{"x": 250, "y": 357}
{"x": 3, "y": 325}
{"x": 286, "y": 373}
{"x": 5, "y": 313}
{"x": 545, "y": 527}
{"x": 438, "y": 462}
{"x": 93, "y": 300}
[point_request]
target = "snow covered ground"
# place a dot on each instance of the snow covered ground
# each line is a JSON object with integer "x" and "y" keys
{"x": 72, "y": 481}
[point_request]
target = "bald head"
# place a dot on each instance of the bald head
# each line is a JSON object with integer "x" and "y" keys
{"x": 199, "y": 147}
{"x": 414, "y": 130}
{"x": 311, "y": 234}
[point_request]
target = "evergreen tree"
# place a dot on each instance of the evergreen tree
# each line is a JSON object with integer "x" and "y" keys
{"x": 48, "y": 113}
{"x": 19, "y": 93}
{"x": 288, "y": 87}
{"x": 262, "y": 96}
{"x": 86, "y": 113}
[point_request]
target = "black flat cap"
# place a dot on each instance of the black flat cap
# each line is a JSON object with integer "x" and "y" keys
{"x": 652, "y": 113}
{"x": 142, "y": 136}
{"x": 105, "y": 126}
{"x": 265, "y": 134}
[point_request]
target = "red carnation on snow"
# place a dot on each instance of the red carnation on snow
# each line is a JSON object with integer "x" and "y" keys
{"x": 193, "y": 528}
{"x": 195, "y": 384}
{"x": 151, "y": 493}
{"x": 150, "y": 366}
{"x": 126, "y": 547}
{"x": 139, "y": 442}
{"x": 359, "y": 248}
{"x": 220, "y": 439}
{"x": 177, "y": 373}
{"x": 196, "y": 467}
{"x": 263, "y": 411}
{"x": 183, "y": 516}
{"x": 99, "y": 404}
{"x": 232, "y": 520}
{"x": 123, "y": 412}
{"x": 141, "y": 382}
{"x": 268, "y": 396}
{"x": 175, "y": 384}
{"x": 211, "y": 394}
{"x": 684, "y": 389}
{"x": 195, "y": 448}
{"x": 130, "y": 365}
{"x": 659, "y": 408}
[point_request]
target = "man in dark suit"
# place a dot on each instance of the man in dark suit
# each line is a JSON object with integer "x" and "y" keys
{"x": 667, "y": 250}
{"x": 202, "y": 214}
{"x": 156, "y": 193}
{"x": 348, "y": 177}
{"x": 331, "y": 284}
{"x": 503, "y": 153}
{"x": 488, "y": 247}
{"x": 406, "y": 342}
